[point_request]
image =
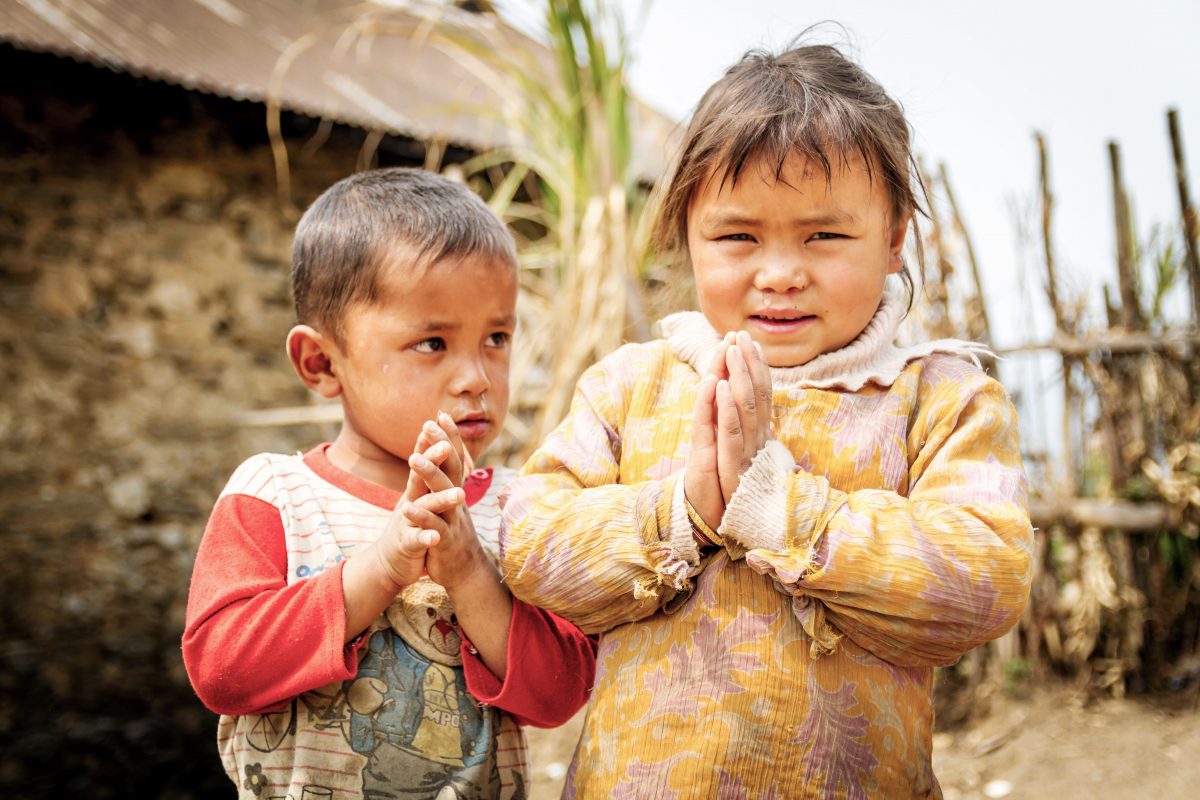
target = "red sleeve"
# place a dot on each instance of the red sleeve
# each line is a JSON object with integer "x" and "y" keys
{"x": 551, "y": 666}
{"x": 251, "y": 641}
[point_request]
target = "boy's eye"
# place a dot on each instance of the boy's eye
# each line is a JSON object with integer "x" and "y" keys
{"x": 736, "y": 237}
{"x": 826, "y": 235}
{"x": 433, "y": 344}
{"x": 499, "y": 339}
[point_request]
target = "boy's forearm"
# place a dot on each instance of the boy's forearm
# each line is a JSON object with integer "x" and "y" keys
{"x": 484, "y": 609}
{"x": 367, "y": 588}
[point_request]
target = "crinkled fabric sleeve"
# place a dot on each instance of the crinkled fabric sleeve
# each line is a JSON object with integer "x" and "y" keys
{"x": 917, "y": 580}
{"x": 576, "y": 541}
{"x": 251, "y": 641}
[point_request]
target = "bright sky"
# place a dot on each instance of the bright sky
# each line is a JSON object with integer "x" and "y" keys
{"x": 976, "y": 79}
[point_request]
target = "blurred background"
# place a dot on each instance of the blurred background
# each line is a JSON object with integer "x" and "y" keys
{"x": 156, "y": 154}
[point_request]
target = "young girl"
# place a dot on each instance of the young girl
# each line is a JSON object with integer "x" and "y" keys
{"x": 779, "y": 521}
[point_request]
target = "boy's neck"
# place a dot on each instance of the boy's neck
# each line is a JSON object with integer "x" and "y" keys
{"x": 366, "y": 460}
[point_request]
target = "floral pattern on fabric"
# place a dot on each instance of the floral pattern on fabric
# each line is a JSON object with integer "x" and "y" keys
{"x": 886, "y": 532}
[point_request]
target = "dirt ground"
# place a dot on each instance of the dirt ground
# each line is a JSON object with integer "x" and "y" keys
{"x": 1049, "y": 745}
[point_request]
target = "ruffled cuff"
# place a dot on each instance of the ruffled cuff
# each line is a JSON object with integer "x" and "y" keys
{"x": 680, "y": 531}
{"x": 757, "y": 515}
{"x": 676, "y": 557}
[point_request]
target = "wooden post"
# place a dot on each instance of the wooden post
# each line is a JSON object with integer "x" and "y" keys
{"x": 1047, "y": 208}
{"x": 961, "y": 227}
{"x": 938, "y": 289}
{"x": 1187, "y": 211}
{"x": 1060, "y": 317}
{"x": 1127, "y": 277}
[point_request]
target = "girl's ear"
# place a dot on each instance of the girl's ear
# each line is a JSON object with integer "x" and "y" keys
{"x": 312, "y": 355}
{"x": 896, "y": 246}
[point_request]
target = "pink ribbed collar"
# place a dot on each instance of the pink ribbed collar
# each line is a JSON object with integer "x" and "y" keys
{"x": 872, "y": 357}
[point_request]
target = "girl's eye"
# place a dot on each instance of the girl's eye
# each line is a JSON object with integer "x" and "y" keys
{"x": 434, "y": 344}
{"x": 499, "y": 339}
{"x": 826, "y": 235}
{"x": 736, "y": 237}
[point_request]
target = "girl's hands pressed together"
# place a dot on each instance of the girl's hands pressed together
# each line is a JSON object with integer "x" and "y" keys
{"x": 743, "y": 412}
{"x": 701, "y": 484}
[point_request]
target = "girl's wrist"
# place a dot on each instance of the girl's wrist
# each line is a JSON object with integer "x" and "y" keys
{"x": 702, "y": 532}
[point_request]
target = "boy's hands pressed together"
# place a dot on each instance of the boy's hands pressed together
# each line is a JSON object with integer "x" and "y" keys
{"x": 456, "y": 555}
{"x": 456, "y": 561}
{"x": 416, "y": 525}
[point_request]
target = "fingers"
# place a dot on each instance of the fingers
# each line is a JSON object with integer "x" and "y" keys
{"x": 426, "y": 521}
{"x": 442, "y": 498}
{"x": 456, "y": 466}
{"x": 717, "y": 367}
{"x": 746, "y": 401}
{"x": 731, "y": 457}
{"x": 414, "y": 542}
{"x": 760, "y": 378}
{"x": 426, "y": 467}
{"x": 704, "y": 415}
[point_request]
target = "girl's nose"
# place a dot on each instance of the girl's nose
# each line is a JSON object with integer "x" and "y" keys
{"x": 782, "y": 273}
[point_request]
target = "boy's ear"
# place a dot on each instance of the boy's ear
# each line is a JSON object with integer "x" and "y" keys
{"x": 896, "y": 245}
{"x": 311, "y": 353}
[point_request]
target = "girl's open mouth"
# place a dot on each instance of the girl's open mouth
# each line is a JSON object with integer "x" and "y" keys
{"x": 781, "y": 324}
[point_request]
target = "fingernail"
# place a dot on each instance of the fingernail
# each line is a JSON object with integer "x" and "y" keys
{"x": 419, "y": 461}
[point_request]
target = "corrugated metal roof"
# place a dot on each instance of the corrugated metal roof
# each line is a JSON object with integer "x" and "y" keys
{"x": 367, "y": 64}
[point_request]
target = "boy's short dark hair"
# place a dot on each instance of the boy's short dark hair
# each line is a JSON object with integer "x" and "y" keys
{"x": 341, "y": 238}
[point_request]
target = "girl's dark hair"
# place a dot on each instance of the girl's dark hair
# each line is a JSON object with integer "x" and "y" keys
{"x": 343, "y": 237}
{"x": 811, "y": 101}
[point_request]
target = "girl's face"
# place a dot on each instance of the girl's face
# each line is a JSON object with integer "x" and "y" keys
{"x": 799, "y": 262}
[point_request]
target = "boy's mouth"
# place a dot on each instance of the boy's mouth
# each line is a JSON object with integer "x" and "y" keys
{"x": 473, "y": 426}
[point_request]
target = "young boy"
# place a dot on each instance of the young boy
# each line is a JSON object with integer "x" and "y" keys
{"x": 346, "y": 617}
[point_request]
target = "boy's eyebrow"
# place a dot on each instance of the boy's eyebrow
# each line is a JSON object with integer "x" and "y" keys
{"x": 438, "y": 326}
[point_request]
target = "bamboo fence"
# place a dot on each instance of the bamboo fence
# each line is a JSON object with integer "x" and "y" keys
{"x": 1115, "y": 602}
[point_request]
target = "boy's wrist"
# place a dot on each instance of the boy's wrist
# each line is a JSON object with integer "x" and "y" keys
{"x": 476, "y": 571}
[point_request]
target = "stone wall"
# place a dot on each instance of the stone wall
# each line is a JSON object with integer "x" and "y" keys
{"x": 144, "y": 293}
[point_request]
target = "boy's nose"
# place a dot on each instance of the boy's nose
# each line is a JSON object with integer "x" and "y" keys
{"x": 471, "y": 377}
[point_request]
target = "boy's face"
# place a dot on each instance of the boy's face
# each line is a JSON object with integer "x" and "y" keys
{"x": 436, "y": 340}
{"x": 799, "y": 262}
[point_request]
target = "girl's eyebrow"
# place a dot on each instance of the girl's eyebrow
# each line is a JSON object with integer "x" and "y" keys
{"x": 735, "y": 219}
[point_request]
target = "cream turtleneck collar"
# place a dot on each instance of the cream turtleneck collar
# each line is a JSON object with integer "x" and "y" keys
{"x": 872, "y": 357}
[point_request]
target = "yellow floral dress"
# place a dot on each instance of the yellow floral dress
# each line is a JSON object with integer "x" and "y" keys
{"x": 884, "y": 532}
